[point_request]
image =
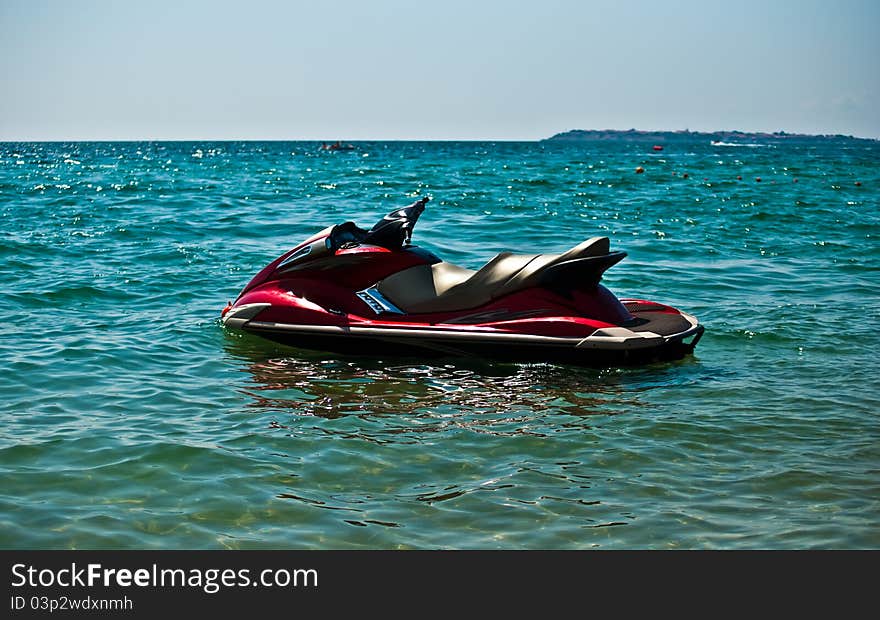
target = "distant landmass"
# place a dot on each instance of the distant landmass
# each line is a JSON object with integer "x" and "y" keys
{"x": 661, "y": 137}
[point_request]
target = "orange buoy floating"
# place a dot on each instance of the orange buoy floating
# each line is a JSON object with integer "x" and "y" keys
{"x": 657, "y": 147}
{"x": 639, "y": 170}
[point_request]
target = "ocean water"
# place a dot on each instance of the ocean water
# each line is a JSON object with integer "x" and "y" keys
{"x": 131, "y": 419}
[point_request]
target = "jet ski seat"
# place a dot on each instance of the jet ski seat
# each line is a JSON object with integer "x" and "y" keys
{"x": 444, "y": 287}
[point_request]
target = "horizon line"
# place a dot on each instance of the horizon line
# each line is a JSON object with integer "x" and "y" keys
{"x": 426, "y": 139}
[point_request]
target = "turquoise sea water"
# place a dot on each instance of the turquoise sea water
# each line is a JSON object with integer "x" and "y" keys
{"x": 131, "y": 419}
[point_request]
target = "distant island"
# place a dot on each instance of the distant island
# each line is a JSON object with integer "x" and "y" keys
{"x": 684, "y": 135}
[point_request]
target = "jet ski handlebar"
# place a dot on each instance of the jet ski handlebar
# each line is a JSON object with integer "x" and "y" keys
{"x": 391, "y": 232}
{"x": 395, "y": 229}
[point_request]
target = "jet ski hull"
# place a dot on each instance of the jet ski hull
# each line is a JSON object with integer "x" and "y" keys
{"x": 506, "y": 341}
{"x": 521, "y": 350}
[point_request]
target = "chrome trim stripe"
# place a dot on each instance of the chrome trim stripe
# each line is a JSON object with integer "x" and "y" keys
{"x": 409, "y": 332}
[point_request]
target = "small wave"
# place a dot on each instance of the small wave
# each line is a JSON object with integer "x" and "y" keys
{"x": 751, "y": 145}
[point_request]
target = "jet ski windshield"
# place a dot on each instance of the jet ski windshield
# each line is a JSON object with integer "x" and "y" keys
{"x": 395, "y": 229}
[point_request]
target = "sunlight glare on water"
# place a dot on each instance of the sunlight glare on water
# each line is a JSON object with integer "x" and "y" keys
{"x": 131, "y": 419}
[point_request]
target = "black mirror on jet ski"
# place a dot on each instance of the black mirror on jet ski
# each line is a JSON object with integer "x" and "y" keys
{"x": 395, "y": 229}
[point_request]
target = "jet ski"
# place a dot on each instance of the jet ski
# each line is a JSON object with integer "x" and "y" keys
{"x": 371, "y": 292}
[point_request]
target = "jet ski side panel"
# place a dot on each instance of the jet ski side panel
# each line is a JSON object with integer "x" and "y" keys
{"x": 497, "y": 332}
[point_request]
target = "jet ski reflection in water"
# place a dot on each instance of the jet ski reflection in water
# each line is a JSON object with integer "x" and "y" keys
{"x": 372, "y": 293}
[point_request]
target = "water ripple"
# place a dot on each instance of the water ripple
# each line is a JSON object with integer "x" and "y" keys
{"x": 132, "y": 420}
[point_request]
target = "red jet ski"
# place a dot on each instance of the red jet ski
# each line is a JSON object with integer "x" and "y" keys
{"x": 349, "y": 290}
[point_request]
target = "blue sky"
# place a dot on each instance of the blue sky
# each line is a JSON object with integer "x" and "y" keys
{"x": 440, "y": 70}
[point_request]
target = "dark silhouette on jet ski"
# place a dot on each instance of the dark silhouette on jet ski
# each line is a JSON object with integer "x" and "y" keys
{"x": 337, "y": 146}
{"x": 371, "y": 292}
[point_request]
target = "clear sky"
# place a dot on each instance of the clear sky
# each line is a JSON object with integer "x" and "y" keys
{"x": 447, "y": 69}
